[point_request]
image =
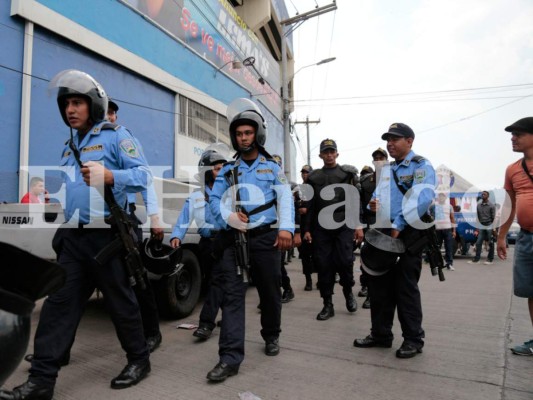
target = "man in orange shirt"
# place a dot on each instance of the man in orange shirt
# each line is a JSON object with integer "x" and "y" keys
{"x": 519, "y": 187}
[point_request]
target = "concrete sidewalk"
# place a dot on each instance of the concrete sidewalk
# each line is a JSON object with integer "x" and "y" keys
{"x": 470, "y": 320}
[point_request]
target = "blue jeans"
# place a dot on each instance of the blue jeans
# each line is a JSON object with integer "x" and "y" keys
{"x": 523, "y": 265}
{"x": 484, "y": 234}
{"x": 445, "y": 235}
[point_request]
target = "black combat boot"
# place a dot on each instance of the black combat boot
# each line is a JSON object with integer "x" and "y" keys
{"x": 308, "y": 283}
{"x": 288, "y": 295}
{"x": 351, "y": 303}
{"x": 328, "y": 311}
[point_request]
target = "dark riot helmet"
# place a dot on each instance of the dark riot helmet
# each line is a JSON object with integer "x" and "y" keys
{"x": 243, "y": 111}
{"x": 252, "y": 118}
{"x": 210, "y": 158}
{"x": 32, "y": 278}
{"x": 159, "y": 258}
{"x": 72, "y": 82}
{"x": 380, "y": 252}
{"x": 207, "y": 160}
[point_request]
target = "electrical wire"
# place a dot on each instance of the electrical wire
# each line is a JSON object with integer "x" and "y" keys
{"x": 408, "y": 101}
{"x": 178, "y": 89}
{"x": 451, "y": 122}
{"x": 412, "y": 93}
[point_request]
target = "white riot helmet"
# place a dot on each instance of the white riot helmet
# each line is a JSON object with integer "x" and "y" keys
{"x": 72, "y": 82}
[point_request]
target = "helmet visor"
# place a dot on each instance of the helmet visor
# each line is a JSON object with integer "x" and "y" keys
{"x": 224, "y": 152}
{"x": 240, "y": 105}
{"x": 76, "y": 81}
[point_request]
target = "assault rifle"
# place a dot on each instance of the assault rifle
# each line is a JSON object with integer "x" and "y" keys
{"x": 416, "y": 240}
{"x": 242, "y": 255}
{"x": 435, "y": 259}
{"x": 124, "y": 241}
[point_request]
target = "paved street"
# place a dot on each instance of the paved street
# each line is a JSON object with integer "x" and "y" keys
{"x": 470, "y": 320}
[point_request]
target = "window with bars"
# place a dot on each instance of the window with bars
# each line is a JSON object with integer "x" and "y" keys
{"x": 223, "y": 130}
{"x": 202, "y": 123}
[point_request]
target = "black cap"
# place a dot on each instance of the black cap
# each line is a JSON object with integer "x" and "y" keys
{"x": 112, "y": 105}
{"x": 327, "y": 144}
{"x": 522, "y": 125}
{"x": 367, "y": 170}
{"x": 381, "y": 151}
{"x": 400, "y": 130}
{"x": 306, "y": 168}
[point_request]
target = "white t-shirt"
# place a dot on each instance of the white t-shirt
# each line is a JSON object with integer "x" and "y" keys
{"x": 442, "y": 216}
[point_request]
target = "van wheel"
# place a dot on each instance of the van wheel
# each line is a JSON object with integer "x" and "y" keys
{"x": 178, "y": 294}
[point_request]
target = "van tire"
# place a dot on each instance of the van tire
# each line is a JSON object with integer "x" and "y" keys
{"x": 178, "y": 294}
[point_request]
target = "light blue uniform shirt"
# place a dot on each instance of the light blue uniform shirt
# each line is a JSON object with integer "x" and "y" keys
{"x": 260, "y": 183}
{"x": 420, "y": 177}
{"x": 116, "y": 150}
{"x": 195, "y": 209}
{"x": 149, "y": 195}
{"x": 149, "y": 198}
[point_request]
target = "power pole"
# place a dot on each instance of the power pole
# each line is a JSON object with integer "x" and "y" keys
{"x": 291, "y": 24}
{"x": 307, "y": 122}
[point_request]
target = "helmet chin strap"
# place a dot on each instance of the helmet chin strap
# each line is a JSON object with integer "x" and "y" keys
{"x": 247, "y": 149}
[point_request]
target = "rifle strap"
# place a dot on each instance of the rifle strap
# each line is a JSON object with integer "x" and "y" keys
{"x": 526, "y": 170}
{"x": 256, "y": 210}
{"x": 235, "y": 173}
{"x": 398, "y": 184}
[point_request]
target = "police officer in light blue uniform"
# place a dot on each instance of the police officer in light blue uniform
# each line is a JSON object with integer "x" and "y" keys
{"x": 267, "y": 217}
{"x": 196, "y": 208}
{"x": 109, "y": 155}
{"x": 398, "y": 287}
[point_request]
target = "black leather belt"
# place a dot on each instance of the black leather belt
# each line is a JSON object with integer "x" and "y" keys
{"x": 259, "y": 230}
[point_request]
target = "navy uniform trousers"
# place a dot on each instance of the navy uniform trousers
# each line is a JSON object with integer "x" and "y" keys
{"x": 305, "y": 253}
{"x": 266, "y": 276}
{"x": 333, "y": 252}
{"x": 214, "y": 294}
{"x": 62, "y": 311}
{"x": 398, "y": 289}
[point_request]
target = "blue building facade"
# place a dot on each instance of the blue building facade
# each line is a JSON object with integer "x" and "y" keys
{"x": 166, "y": 63}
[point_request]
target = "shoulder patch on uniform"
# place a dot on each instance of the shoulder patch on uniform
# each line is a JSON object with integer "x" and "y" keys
{"x": 129, "y": 147}
{"x": 419, "y": 175}
{"x": 282, "y": 178}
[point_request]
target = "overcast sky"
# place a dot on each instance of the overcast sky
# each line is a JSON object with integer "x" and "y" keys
{"x": 403, "y": 47}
